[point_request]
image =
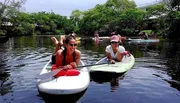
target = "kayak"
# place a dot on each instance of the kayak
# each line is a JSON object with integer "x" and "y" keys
{"x": 143, "y": 40}
{"x": 78, "y": 38}
{"x": 119, "y": 67}
{"x": 65, "y": 88}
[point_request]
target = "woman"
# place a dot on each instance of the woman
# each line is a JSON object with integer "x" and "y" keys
{"x": 114, "y": 52}
{"x": 69, "y": 57}
{"x": 59, "y": 45}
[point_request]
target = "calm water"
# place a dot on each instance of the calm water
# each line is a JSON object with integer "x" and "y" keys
{"x": 155, "y": 77}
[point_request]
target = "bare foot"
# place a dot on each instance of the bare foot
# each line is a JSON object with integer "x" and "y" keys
{"x": 55, "y": 41}
{"x": 61, "y": 40}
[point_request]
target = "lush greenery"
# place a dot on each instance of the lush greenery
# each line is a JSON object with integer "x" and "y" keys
{"x": 121, "y": 16}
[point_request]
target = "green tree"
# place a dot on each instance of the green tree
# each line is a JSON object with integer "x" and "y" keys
{"x": 9, "y": 9}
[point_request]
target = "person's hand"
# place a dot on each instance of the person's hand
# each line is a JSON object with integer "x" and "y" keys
{"x": 73, "y": 64}
{"x": 112, "y": 61}
{"x": 68, "y": 67}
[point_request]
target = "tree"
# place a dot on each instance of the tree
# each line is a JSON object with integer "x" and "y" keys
{"x": 75, "y": 18}
{"x": 9, "y": 9}
{"x": 173, "y": 18}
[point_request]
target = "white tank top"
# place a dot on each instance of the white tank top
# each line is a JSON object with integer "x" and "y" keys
{"x": 109, "y": 49}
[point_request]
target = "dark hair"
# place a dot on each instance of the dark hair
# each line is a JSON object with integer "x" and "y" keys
{"x": 68, "y": 38}
{"x": 66, "y": 41}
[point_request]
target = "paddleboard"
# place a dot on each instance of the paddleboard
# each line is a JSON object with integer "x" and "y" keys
{"x": 119, "y": 67}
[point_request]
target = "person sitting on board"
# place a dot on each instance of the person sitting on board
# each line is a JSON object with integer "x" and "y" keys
{"x": 59, "y": 45}
{"x": 114, "y": 52}
{"x": 69, "y": 57}
{"x": 145, "y": 36}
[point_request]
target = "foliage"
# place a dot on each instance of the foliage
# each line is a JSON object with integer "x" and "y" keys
{"x": 2, "y": 33}
{"x": 172, "y": 4}
{"x": 121, "y": 16}
{"x": 147, "y": 31}
{"x": 9, "y": 9}
{"x": 173, "y": 21}
{"x": 114, "y": 15}
{"x": 156, "y": 10}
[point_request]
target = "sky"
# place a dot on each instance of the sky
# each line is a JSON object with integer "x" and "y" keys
{"x": 65, "y": 7}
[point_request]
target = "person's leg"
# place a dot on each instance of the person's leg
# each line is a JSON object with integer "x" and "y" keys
{"x": 61, "y": 39}
{"x": 55, "y": 41}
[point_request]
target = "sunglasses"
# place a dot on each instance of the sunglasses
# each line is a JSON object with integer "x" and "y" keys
{"x": 73, "y": 44}
{"x": 114, "y": 42}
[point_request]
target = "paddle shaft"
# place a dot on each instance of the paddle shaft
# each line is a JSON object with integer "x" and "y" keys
{"x": 91, "y": 65}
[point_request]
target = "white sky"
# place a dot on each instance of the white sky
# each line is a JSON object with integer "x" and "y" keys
{"x": 65, "y": 7}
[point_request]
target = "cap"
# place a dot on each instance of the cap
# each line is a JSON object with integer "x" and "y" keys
{"x": 114, "y": 38}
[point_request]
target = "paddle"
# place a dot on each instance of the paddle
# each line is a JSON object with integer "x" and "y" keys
{"x": 54, "y": 72}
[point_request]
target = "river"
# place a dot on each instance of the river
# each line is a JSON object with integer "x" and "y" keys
{"x": 155, "y": 77}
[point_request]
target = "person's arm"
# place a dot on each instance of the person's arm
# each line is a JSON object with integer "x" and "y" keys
{"x": 108, "y": 55}
{"x": 59, "y": 59}
{"x": 120, "y": 53}
{"x": 77, "y": 59}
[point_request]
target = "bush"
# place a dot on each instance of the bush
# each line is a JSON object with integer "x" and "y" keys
{"x": 2, "y": 33}
{"x": 59, "y": 32}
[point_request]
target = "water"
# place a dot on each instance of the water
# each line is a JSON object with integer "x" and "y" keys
{"x": 155, "y": 77}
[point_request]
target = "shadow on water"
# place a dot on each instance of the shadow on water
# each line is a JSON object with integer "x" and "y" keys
{"x": 103, "y": 77}
{"x": 4, "y": 39}
{"x": 172, "y": 53}
{"x": 5, "y": 83}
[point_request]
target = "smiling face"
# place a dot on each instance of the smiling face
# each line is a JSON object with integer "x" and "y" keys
{"x": 71, "y": 45}
{"x": 114, "y": 44}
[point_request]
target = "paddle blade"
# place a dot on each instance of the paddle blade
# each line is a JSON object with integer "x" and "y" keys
{"x": 49, "y": 74}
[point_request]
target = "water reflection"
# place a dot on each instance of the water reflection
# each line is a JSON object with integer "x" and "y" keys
{"x": 173, "y": 57}
{"x": 103, "y": 77}
{"x": 5, "y": 83}
{"x": 156, "y": 66}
